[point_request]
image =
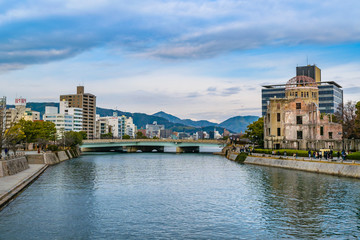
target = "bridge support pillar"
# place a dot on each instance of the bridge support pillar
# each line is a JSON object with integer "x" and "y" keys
{"x": 187, "y": 149}
{"x": 131, "y": 149}
{"x": 151, "y": 149}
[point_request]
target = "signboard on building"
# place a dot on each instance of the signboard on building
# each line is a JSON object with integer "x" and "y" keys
{"x": 20, "y": 101}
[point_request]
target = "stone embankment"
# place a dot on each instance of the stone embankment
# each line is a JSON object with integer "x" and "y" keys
{"x": 52, "y": 158}
{"x": 338, "y": 168}
{"x": 17, "y": 172}
{"x": 13, "y": 164}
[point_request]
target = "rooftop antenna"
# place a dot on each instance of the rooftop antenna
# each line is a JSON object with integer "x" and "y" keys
{"x": 307, "y": 60}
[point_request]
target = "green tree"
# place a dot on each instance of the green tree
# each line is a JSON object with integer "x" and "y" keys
{"x": 347, "y": 116}
{"x": 126, "y": 136}
{"x": 38, "y": 132}
{"x": 14, "y": 136}
{"x": 72, "y": 139}
{"x": 83, "y": 135}
{"x": 255, "y": 132}
{"x": 357, "y": 120}
{"x": 140, "y": 135}
{"x": 106, "y": 135}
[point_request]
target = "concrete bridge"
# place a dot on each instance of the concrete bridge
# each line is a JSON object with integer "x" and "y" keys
{"x": 147, "y": 145}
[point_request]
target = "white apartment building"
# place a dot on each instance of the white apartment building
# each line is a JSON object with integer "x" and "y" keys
{"x": 101, "y": 126}
{"x": 77, "y": 114}
{"x": 118, "y": 126}
{"x": 67, "y": 119}
{"x": 130, "y": 127}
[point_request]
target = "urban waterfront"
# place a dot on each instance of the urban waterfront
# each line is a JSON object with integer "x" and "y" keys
{"x": 181, "y": 196}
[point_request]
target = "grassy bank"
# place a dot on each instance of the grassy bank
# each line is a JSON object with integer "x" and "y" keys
{"x": 303, "y": 153}
{"x": 289, "y": 152}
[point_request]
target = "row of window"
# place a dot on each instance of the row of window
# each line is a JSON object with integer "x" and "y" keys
{"x": 300, "y": 133}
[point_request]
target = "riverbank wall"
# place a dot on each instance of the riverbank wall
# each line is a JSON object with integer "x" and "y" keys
{"x": 345, "y": 169}
{"x": 17, "y": 172}
{"x": 52, "y": 158}
{"x": 12, "y": 165}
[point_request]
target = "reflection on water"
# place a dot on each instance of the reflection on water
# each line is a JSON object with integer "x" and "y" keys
{"x": 186, "y": 196}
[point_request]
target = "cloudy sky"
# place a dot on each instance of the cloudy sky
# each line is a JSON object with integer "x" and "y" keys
{"x": 204, "y": 59}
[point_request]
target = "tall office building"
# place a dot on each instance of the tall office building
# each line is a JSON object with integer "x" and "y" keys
{"x": 330, "y": 93}
{"x": 310, "y": 71}
{"x": 87, "y": 102}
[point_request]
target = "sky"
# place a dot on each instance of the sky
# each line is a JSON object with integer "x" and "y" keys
{"x": 204, "y": 59}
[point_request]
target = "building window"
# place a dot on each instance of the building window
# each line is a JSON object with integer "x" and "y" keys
{"x": 296, "y": 94}
{"x": 298, "y": 119}
{"x": 330, "y": 135}
{"x": 299, "y": 135}
{"x": 268, "y": 117}
{"x": 321, "y": 131}
{"x": 298, "y": 105}
{"x": 302, "y": 94}
{"x": 278, "y": 132}
{"x": 269, "y": 131}
{"x": 278, "y": 106}
{"x": 278, "y": 117}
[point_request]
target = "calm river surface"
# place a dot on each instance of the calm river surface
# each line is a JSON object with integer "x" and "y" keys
{"x": 186, "y": 196}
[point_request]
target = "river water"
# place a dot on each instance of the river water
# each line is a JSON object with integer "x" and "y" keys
{"x": 186, "y": 196}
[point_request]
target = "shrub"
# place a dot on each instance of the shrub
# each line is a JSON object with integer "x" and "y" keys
{"x": 52, "y": 148}
{"x": 289, "y": 152}
{"x": 241, "y": 157}
{"x": 353, "y": 156}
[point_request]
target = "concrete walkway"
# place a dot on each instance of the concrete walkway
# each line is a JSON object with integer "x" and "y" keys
{"x": 12, "y": 185}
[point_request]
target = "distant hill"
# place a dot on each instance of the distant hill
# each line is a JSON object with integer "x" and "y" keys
{"x": 239, "y": 123}
{"x": 234, "y": 124}
{"x": 187, "y": 122}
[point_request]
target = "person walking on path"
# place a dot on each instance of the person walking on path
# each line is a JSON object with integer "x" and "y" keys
{"x": 309, "y": 154}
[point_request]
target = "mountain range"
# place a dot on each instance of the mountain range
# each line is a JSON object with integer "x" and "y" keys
{"x": 235, "y": 124}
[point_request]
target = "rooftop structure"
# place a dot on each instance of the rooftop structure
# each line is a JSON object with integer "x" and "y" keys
{"x": 330, "y": 92}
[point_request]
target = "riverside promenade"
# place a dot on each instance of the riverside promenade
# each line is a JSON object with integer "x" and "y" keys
{"x": 10, "y": 186}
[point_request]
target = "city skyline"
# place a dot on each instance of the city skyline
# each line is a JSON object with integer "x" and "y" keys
{"x": 203, "y": 60}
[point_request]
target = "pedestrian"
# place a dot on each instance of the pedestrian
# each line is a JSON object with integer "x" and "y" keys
{"x": 320, "y": 155}
{"x": 338, "y": 155}
{"x": 6, "y": 152}
{"x": 326, "y": 155}
{"x": 285, "y": 153}
{"x": 296, "y": 155}
{"x": 309, "y": 152}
